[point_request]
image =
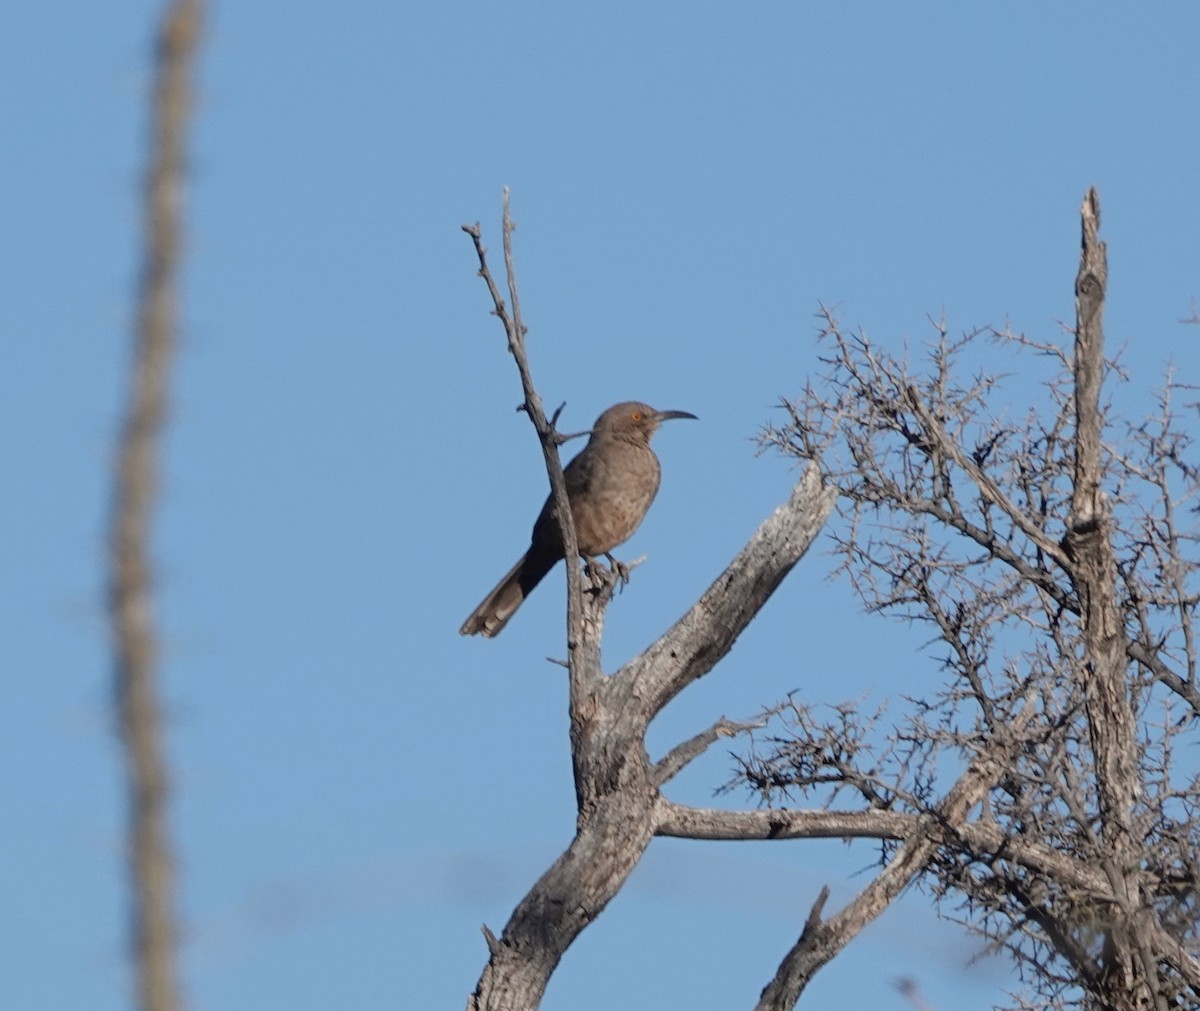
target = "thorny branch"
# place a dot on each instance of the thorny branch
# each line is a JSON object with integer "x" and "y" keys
{"x": 129, "y": 578}
{"x": 822, "y": 941}
{"x": 1050, "y": 564}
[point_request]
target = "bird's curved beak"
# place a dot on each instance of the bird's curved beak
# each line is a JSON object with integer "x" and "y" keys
{"x": 668, "y": 415}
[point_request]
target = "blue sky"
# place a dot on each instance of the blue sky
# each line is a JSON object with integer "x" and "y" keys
{"x": 357, "y": 787}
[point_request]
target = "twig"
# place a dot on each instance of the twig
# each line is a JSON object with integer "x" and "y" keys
{"x": 813, "y": 923}
{"x": 680, "y": 756}
{"x": 489, "y": 938}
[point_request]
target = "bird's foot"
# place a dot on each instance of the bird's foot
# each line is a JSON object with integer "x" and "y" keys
{"x": 596, "y": 573}
{"x": 604, "y": 580}
{"x": 620, "y": 570}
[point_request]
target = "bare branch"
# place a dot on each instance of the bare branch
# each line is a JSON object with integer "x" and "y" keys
{"x": 683, "y": 822}
{"x": 490, "y": 939}
{"x": 587, "y": 671}
{"x": 694, "y": 645}
{"x": 982, "y": 840}
{"x": 678, "y": 758}
{"x": 933, "y": 430}
{"x": 585, "y": 616}
{"x": 1111, "y": 724}
{"x": 1090, "y": 286}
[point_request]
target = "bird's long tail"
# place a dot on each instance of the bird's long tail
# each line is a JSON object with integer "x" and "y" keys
{"x": 490, "y": 617}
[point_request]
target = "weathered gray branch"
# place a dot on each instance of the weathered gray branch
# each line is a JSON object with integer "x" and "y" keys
{"x": 1112, "y": 727}
{"x": 569, "y": 896}
{"x": 129, "y": 587}
{"x": 984, "y": 839}
{"x": 684, "y": 822}
{"x": 697, "y": 642}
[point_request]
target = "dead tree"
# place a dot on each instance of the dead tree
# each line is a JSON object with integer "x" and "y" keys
{"x": 617, "y": 785}
{"x": 619, "y": 788}
{"x": 1052, "y": 557}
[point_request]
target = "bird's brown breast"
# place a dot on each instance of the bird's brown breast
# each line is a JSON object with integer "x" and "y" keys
{"x": 611, "y": 485}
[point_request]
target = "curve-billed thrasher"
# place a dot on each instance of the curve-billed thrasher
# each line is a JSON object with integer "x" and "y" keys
{"x": 610, "y": 486}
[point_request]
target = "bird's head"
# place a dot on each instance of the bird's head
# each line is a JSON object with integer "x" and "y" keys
{"x": 635, "y": 420}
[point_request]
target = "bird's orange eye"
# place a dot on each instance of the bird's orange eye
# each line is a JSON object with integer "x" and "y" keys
{"x": 636, "y": 415}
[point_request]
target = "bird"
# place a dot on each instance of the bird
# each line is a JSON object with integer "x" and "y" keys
{"x": 610, "y": 486}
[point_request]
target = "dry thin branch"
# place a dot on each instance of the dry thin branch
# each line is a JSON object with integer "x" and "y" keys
{"x": 129, "y": 589}
{"x": 584, "y": 617}
{"x": 680, "y": 756}
{"x": 515, "y": 330}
